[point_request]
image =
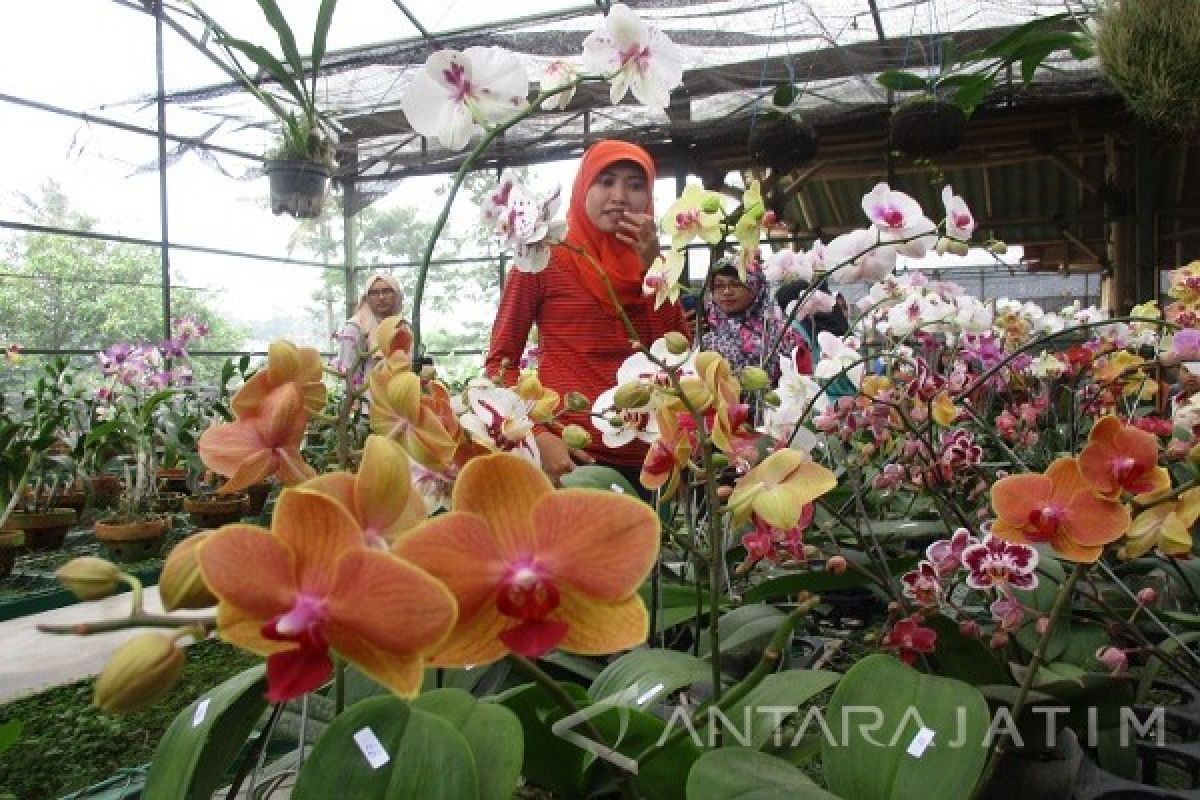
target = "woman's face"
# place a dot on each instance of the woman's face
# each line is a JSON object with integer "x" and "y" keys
{"x": 381, "y": 298}
{"x": 620, "y": 188}
{"x": 730, "y": 294}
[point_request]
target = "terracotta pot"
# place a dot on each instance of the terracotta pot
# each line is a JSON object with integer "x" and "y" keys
{"x": 215, "y": 510}
{"x": 928, "y": 129}
{"x": 10, "y": 543}
{"x": 106, "y": 489}
{"x": 44, "y": 530}
{"x": 173, "y": 480}
{"x": 129, "y": 540}
{"x": 256, "y": 499}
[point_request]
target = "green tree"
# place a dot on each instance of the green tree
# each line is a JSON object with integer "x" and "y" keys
{"x": 67, "y": 292}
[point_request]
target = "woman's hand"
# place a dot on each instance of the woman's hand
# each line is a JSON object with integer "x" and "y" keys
{"x": 557, "y": 458}
{"x": 639, "y": 232}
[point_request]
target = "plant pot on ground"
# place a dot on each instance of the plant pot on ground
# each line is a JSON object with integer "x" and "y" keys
{"x": 928, "y": 127}
{"x": 10, "y": 543}
{"x": 165, "y": 502}
{"x": 128, "y": 540}
{"x": 256, "y": 499}
{"x": 215, "y": 510}
{"x": 173, "y": 480}
{"x": 44, "y": 530}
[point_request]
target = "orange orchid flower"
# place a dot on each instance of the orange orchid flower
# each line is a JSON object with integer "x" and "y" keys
{"x": 668, "y": 454}
{"x": 1120, "y": 457}
{"x": 779, "y": 488}
{"x": 286, "y": 364}
{"x": 1059, "y": 507}
{"x": 399, "y": 411}
{"x": 533, "y": 568}
{"x": 251, "y": 448}
{"x": 1123, "y": 370}
{"x": 381, "y": 496}
{"x": 393, "y": 336}
{"x": 310, "y": 585}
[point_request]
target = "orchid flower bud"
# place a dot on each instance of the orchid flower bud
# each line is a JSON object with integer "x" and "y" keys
{"x": 635, "y": 394}
{"x": 577, "y": 401}
{"x": 181, "y": 585}
{"x": 140, "y": 672}
{"x": 576, "y": 436}
{"x": 836, "y": 565}
{"x": 754, "y": 379}
{"x": 89, "y": 578}
{"x": 677, "y": 343}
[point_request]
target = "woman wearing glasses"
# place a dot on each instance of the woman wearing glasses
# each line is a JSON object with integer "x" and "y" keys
{"x": 382, "y": 298}
{"x": 742, "y": 322}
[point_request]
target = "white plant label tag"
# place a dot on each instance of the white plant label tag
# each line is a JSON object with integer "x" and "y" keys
{"x": 201, "y": 712}
{"x": 924, "y": 738}
{"x": 371, "y": 748}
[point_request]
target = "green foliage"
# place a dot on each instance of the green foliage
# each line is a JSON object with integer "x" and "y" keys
{"x": 66, "y": 292}
{"x": 492, "y": 732}
{"x": 194, "y": 755}
{"x": 426, "y": 756}
{"x": 739, "y": 773}
{"x": 1148, "y": 51}
{"x": 66, "y": 744}
{"x": 876, "y": 712}
{"x": 966, "y": 80}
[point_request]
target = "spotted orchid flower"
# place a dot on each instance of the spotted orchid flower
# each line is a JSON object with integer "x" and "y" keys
{"x": 558, "y": 73}
{"x": 662, "y": 279}
{"x": 946, "y": 554}
{"x": 499, "y": 420}
{"x": 959, "y": 222}
{"x": 922, "y": 585}
{"x": 995, "y": 563}
{"x": 523, "y": 222}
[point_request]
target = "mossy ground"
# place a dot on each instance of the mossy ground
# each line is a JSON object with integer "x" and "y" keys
{"x": 67, "y": 745}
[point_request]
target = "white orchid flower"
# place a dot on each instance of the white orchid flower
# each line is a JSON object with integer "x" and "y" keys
{"x": 1047, "y": 365}
{"x": 558, "y": 73}
{"x": 499, "y": 420}
{"x": 619, "y": 427}
{"x": 959, "y": 222}
{"x": 640, "y": 367}
{"x": 457, "y": 92}
{"x": 788, "y": 266}
{"x": 524, "y": 223}
{"x": 640, "y": 58}
{"x": 867, "y": 259}
{"x": 972, "y": 316}
{"x": 838, "y": 354}
{"x": 817, "y": 302}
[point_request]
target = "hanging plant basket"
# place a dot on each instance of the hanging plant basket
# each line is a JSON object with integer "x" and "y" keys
{"x": 128, "y": 540}
{"x": 298, "y": 187}
{"x": 928, "y": 128}
{"x": 782, "y": 143}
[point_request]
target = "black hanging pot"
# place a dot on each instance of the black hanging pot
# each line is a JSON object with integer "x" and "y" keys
{"x": 782, "y": 143}
{"x": 928, "y": 128}
{"x": 298, "y": 187}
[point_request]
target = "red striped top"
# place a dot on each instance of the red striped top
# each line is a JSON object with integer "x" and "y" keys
{"x": 580, "y": 345}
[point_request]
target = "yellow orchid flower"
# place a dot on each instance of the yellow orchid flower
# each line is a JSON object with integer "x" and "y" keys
{"x": 779, "y": 488}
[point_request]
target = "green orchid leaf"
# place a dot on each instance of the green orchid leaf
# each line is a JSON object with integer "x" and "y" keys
{"x": 194, "y": 755}
{"x": 549, "y": 760}
{"x": 902, "y": 81}
{"x": 756, "y": 717}
{"x": 492, "y": 732}
{"x": 383, "y": 749}
{"x": 895, "y": 733}
{"x": 287, "y": 42}
{"x": 642, "y": 671}
{"x": 739, "y": 773}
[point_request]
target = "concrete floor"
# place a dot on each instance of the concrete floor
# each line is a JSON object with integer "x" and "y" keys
{"x": 31, "y": 661}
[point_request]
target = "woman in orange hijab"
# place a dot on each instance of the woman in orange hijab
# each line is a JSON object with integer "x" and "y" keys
{"x": 581, "y": 339}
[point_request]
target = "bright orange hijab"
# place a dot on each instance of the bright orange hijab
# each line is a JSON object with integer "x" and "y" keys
{"x": 620, "y": 262}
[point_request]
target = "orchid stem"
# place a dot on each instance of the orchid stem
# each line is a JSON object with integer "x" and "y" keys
{"x": 1060, "y": 605}
{"x": 560, "y": 696}
{"x": 137, "y": 619}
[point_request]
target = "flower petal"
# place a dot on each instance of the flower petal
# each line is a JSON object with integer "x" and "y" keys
{"x": 1015, "y": 497}
{"x": 460, "y": 550}
{"x": 502, "y": 488}
{"x": 384, "y": 500}
{"x": 599, "y": 542}
{"x": 250, "y": 569}
{"x": 373, "y": 591}
{"x": 225, "y": 446}
{"x": 244, "y": 630}
{"x": 338, "y": 485}
{"x": 319, "y": 531}
{"x": 1093, "y": 521}
{"x": 474, "y": 641}
{"x": 600, "y": 628}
